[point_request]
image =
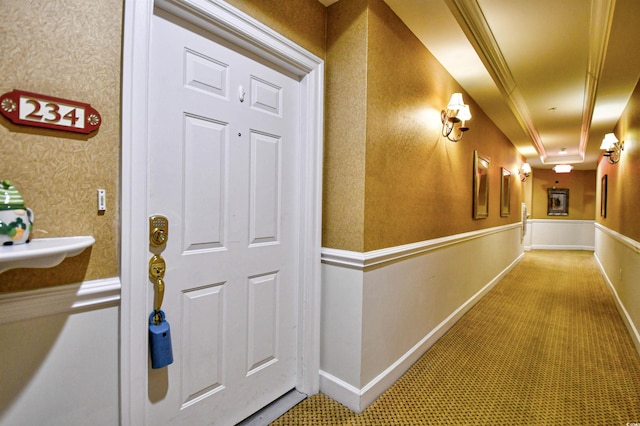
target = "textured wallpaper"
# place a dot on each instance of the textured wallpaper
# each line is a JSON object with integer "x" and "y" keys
{"x": 390, "y": 178}
{"x": 623, "y": 195}
{"x": 345, "y": 126}
{"x": 69, "y": 49}
{"x": 582, "y": 193}
{"x": 302, "y": 21}
{"x": 72, "y": 49}
{"x": 417, "y": 185}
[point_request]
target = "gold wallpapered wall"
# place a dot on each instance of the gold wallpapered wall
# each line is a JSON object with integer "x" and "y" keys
{"x": 417, "y": 184}
{"x": 390, "y": 178}
{"x": 582, "y": 193}
{"x": 302, "y": 21}
{"x": 623, "y": 188}
{"x": 69, "y": 49}
{"x": 72, "y": 49}
{"x": 345, "y": 126}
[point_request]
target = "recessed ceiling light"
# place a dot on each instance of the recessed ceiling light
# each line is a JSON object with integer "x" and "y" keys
{"x": 562, "y": 168}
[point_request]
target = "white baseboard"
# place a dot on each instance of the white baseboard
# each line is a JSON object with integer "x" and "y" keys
{"x": 359, "y": 399}
{"x": 69, "y": 298}
{"x": 626, "y": 318}
{"x": 339, "y": 390}
{"x": 561, "y": 247}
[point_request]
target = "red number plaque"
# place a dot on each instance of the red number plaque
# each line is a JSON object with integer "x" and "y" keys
{"x": 31, "y": 109}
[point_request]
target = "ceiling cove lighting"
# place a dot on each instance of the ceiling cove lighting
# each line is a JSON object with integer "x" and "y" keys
{"x": 524, "y": 172}
{"x": 612, "y": 147}
{"x": 454, "y": 117}
{"x": 562, "y": 168}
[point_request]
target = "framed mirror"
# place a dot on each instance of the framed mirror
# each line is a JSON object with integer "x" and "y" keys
{"x": 480, "y": 186}
{"x": 505, "y": 192}
{"x": 557, "y": 202}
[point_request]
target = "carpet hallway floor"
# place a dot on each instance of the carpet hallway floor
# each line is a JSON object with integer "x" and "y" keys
{"x": 546, "y": 346}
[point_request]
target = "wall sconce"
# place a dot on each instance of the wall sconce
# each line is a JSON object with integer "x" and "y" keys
{"x": 612, "y": 147}
{"x": 562, "y": 168}
{"x": 457, "y": 112}
{"x": 524, "y": 172}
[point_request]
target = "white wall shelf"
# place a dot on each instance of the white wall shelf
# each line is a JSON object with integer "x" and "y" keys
{"x": 42, "y": 252}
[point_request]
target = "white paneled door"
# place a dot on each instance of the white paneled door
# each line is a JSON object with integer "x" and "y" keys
{"x": 223, "y": 143}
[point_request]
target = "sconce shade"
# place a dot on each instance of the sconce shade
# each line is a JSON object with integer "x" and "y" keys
{"x": 612, "y": 147}
{"x": 453, "y": 118}
{"x": 464, "y": 113}
{"x": 609, "y": 142}
{"x": 524, "y": 172}
{"x": 456, "y": 103}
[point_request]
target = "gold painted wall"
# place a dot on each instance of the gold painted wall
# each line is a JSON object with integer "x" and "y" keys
{"x": 582, "y": 193}
{"x": 417, "y": 184}
{"x": 69, "y": 49}
{"x": 623, "y": 194}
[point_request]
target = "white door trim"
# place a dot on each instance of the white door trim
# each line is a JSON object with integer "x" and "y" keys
{"x": 239, "y": 29}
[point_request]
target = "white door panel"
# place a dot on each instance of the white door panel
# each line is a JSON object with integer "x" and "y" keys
{"x": 223, "y": 143}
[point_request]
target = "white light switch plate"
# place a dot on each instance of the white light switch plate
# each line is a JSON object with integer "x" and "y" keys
{"x": 102, "y": 200}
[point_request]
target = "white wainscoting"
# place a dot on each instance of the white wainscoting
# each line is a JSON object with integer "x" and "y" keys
{"x": 619, "y": 260}
{"x": 60, "y": 352}
{"x": 382, "y": 310}
{"x": 558, "y": 234}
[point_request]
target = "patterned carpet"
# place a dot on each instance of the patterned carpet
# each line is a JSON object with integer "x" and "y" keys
{"x": 545, "y": 347}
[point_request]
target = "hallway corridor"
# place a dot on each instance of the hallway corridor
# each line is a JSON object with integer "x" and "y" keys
{"x": 546, "y": 346}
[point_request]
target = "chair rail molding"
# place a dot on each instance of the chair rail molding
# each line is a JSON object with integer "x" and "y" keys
{"x": 375, "y": 258}
{"x": 629, "y": 242}
{"x": 69, "y": 298}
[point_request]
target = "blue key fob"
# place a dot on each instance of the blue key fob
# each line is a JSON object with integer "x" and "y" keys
{"x": 159, "y": 340}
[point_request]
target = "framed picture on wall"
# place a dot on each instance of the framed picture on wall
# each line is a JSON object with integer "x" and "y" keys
{"x": 603, "y": 196}
{"x": 505, "y": 192}
{"x": 557, "y": 202}
{"x": 480, "y": 186}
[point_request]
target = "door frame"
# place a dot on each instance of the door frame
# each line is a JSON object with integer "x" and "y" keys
{"x": 241, "y": 30}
